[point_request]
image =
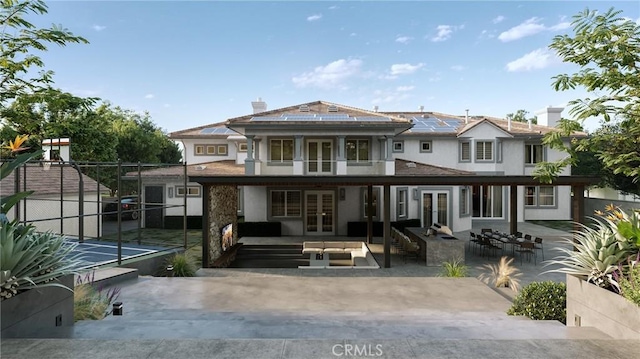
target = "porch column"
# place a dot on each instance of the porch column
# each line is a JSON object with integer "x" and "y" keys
{"x": 369, "y": 214}
{"x": 341, "y": 159}
{"x": 389, "y": 165}
{"x": 256, "y": 146}
{"x": 387, "y": 226}
{"x": 249, "y": 163}
{"x": 577, "y": 204}
{"x": 513, "y": 209}
{"x": 298, "y": 163}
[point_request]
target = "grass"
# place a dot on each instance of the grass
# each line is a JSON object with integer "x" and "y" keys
{"x": 157, "y": 236}
{"x": 565, "y": 226}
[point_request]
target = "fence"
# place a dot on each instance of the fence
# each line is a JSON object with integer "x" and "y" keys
{"x": 98, "y": 201}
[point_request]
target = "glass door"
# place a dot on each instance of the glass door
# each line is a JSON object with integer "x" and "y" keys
{"x": 319, "y": 217}
{"x": 319, "y": 154}
{"x": 435, "y": 208}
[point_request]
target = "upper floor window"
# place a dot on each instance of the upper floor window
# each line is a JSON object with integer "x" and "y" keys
{"x": 398, "y": 146}
{"x": 281, "y": 150}
{"x": 199, "y": 149}
{"x": 211, "y": 150}
{"x": 533, "y": 154}
{"x": 242, "y": 147}
{"x": 357, "y": 150}
{"x": 484, "y": 151}
{"x": 464, "y": 201}
{"x": 465, "y": 151}
{"x": 192, "y": 191}
{"x": 425, "y": 146}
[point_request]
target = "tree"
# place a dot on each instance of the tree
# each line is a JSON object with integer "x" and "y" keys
{"x": 18, "y": 42}
{"x": 521, "y": 116}
{"x": 606, "y": 47}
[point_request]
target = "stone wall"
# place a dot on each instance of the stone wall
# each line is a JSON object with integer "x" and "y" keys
{"x": 223, "y": 209}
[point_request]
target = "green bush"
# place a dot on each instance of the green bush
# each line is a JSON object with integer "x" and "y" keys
{"x": 629, "y": 280}
{"x": 183, "y": 265}
{"x": 542, "y": 301}
{"x": 454, "y": 268}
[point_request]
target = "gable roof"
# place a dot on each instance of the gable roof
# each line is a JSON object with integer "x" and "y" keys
{"x": 214, "y": 130}
{"x": 50, "y": 181}
{"x": 412, "y": 168}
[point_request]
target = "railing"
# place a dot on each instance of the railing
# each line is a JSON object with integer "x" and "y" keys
{"x": 325, "y": 168}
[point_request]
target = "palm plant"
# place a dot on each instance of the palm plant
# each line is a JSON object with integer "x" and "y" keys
{"x": 502, "y": 274}
{"x": 594, "y": 254}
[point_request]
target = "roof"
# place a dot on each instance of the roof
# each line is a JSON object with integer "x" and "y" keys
{"x": 50, "y": 181}
{"x": 411, "y": 168}
{"x": 218, "y": 168}
{"x": 214, "y": 130}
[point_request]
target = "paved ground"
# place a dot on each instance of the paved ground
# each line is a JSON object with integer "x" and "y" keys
{"x": 400, "y": 312}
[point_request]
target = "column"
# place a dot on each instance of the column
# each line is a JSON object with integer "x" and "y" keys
{"x": 513, "y": 209}
{"x": 298, "y": 161}
{"x": 249, "y": 163}
{"x": 341, "y": 160}
{"x": 387, "y": 226}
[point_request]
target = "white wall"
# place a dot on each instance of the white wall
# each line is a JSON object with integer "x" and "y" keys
{"x": 191, "y": 158}
{"x": 48, "y": 206}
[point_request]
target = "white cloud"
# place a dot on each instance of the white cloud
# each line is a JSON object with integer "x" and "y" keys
{"x": 535, "y": 60}
{"x": 531, "y": 27}
{"x": 390, "y": 96}
{"x": 330, "y": 76}
{"x": 404, "y": 39}
{"x": 353, "y": 34}
{"x": 98, "y": 27}
{"x": 405, "y": 69}
{"x": 458, "y": 68}
{"x": 498, "y": 19}
{"x": 404, "y": 88}
{"x": 314, "y": 17}
{"x": 149, "y": 96}
{"x": 444, "y": 32}
{"x": 333, "y": 7}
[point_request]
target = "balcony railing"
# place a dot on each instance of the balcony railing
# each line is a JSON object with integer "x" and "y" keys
{"x": 326, "y": 168}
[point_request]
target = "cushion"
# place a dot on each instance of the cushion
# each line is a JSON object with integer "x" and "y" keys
{"x": 360, "y": 261}
{"x": 335, "y": 250}
{"x": 313, "y": 245}
{"x": 357, "y": 245}
{"x": 334, "y": 245}
{"x": 312, "y": 250}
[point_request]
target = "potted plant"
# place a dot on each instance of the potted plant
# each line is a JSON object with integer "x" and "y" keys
{"x": 36, "y": 281}
{"x": 599, "y": 259}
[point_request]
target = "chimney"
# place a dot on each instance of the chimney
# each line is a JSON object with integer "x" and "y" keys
{"x": 466, "y": 116}
{"x": 509, "y": 123}
{"x": 549, "y": 116}
{"x": 530, "y": 123}
{"x": 421, "y": 108}
{"x": 375, "y": 108}
{"x": 259, "y": 105}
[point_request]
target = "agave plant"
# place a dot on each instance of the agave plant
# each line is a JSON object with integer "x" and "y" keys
{"x": 31, "y": 259}
{"x": 502, "y": 274}
{"x": 595, "y": 254}
{"x": 625, "y": 225}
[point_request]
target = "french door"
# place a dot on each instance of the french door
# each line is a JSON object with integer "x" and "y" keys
{"x": 319, "y": 213}
{"x": 435, "y": 208}
{"x": 319, "y": 157}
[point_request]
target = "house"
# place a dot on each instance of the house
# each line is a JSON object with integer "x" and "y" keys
{"x": 326, "y": 139}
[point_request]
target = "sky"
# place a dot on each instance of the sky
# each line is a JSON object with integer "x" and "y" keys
{"x": 192, "y": 63}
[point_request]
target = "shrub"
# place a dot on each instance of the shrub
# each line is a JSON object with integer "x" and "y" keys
{"x": 90, "y": 301}
{"x": 454, "y": 268}
{"x": 502, "y": 274}
{"x": 542, "y": 301}
{"x": 183, "y": 265}
{"x": 629, "y": 280}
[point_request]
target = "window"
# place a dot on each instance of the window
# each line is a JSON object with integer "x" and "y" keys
{"x": 240, "y": 201}
{"x": 211, "y": 150}
{"x": 464, "y": 201}
{"x": 242, "y": 147}
{"x": 398, "y": 146}
{"x": 533, "y": 154}
{"x": 374, "y": 203}
{"x": 465, "y": 151}
{"x": 222, "y": 150}
{"x": 281, "y": 150}
{"x": 199, "y": 150}
{"x": 357, "y": 150}
{"x": 192, "y": 191}
{"x": 486, "y": 201}
{"x": 425, "y": 146}
{"x": 402, "y": 196}
{"x": 285, "y": 203}
{"x": 539, "y": 196}
{"x": 484, "y": 151}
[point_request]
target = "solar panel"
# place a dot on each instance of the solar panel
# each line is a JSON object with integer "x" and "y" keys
{"x": 207, "y": 130}
{"x": 372, "y": 119}
{"x": 341, "y": 116}
{"x": 267, "y": 118}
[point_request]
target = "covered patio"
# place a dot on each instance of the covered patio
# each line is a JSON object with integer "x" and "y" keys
{"x": 220, "y": 197}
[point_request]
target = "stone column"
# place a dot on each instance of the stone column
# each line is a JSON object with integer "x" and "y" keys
{"x": 222, "y": 209}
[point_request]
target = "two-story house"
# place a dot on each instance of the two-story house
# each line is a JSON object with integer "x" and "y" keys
{"x": 321, "y": 138}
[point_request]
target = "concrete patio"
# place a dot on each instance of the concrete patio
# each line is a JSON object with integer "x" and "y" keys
{"x": 399, "y": 312}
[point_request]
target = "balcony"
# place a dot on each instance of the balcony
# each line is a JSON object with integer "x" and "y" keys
{"x": 324, "y": 168}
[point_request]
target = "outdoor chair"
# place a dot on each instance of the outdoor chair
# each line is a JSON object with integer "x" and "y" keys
{"x": 473, "y": 239}
{"x": 486, "y": 243}
{"x": 409, "y": 248}
{"x": 486, "y": 230}
{"x": 519, "y": 235}
{"x": 528, "y": 249}
{"x": 527, "y": 237}
{"x": 538, "y": 245}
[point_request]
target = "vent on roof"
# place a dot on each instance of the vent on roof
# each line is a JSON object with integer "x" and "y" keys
{"x": 200, "y": 167}
{"x": 402, "y": 116}
{"x": 411, "y": 164}
{"x": 332, "y": 108}
{"x": 304, "y": 108}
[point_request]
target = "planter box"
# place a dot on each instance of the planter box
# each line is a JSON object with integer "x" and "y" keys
{"x": 39, "y": 313}
{"x": 591, "y": 306}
